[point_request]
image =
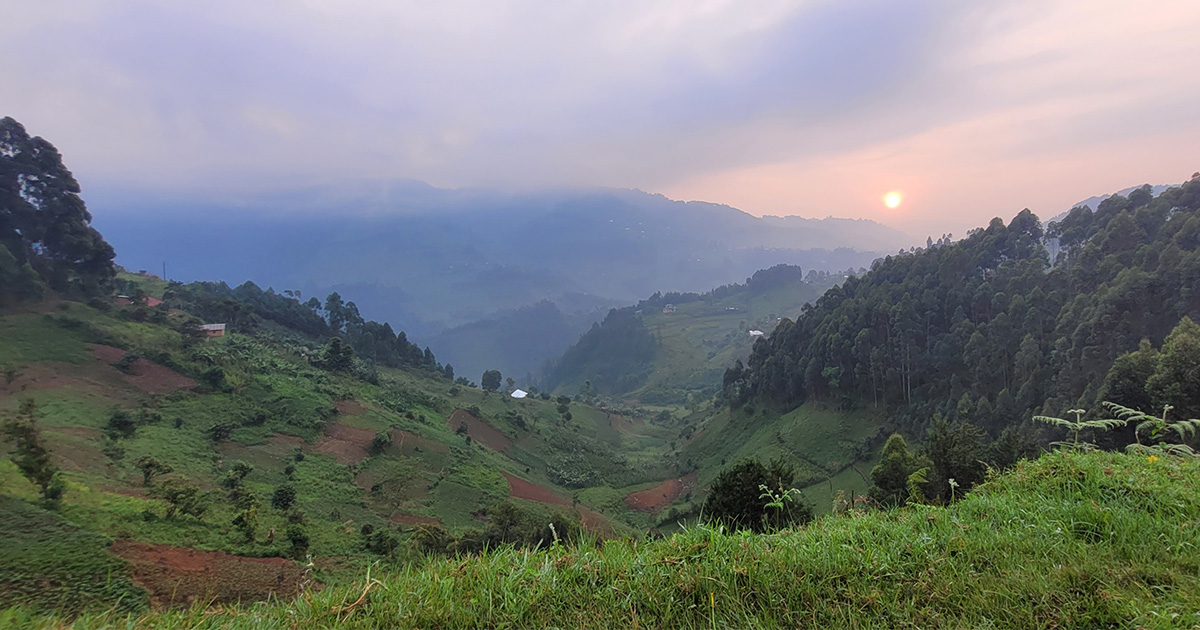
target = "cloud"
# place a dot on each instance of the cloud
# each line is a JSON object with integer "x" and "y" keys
{"x": 727, "y": 101}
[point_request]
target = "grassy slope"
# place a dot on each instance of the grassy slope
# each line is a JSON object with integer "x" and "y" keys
{"x": 700, "y": 339}
{"x": 1068, "y": 541}
{"x": 833, "y": 451}
{"x": 44, "y": 355}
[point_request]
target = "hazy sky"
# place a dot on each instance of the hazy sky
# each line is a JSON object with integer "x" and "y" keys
{"x": 970, "y": 109}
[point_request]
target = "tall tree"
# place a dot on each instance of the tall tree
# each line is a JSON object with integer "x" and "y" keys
{"x": 45, "y": 228}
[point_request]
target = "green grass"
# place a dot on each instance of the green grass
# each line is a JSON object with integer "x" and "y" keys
{"x": 820, "y": 442}
{"x": 48, "y": 564}
{"x": 1096, "y": 540}
{"x": 30, "y": 337}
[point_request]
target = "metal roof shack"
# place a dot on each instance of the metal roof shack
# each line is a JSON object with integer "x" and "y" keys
{"x": 213, "y": 330}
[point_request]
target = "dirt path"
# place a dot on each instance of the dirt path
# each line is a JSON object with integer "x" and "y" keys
{"x": 479, "y": 430}
{"x": 179, "y": 576}
{"x": 654, "y": 499}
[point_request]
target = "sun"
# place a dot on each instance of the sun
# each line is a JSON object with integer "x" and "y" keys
{"x": 892, "y": 200}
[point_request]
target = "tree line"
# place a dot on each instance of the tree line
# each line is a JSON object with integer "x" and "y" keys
{"x": 992, "y": 330}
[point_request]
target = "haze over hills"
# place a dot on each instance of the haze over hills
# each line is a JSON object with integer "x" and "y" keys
{"x": 430, "y": 260}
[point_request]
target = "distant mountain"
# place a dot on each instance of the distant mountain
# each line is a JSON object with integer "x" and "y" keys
{"x": 1092, "y": 203}
{"x": 516, "y": 342}
{"x": 428, "y": 260}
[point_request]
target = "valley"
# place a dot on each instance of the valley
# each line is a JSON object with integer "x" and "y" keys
{"x": 202, "y": 454}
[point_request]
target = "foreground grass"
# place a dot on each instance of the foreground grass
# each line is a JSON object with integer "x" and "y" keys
{"x": 1069, "y": 541}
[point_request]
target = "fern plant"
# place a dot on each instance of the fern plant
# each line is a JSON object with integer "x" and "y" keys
{"x": 1079, "y": 424}
{"x": 1157, "y": 430}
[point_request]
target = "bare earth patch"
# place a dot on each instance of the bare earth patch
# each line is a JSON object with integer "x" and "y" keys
{"x": 521, "y": 489}
{"x": 346, "y": 444}
{"x": 479, "y": 430}
{"x": 103, "y": 380}
{"x": 179, "y": 576}
{"x": 654, "y": 499}
{"x": 413, "y": 519}
{"x": 624, "y": 426}
{"x": 350, "y": 408}
{"x": 146, "y": 375}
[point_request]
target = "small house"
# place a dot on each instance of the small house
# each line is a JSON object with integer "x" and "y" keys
{"x": 213, "y": 330}
{"x": 756, "y": 333}
{"x": 670, "y": 308}
{"x": 519, "y": 393}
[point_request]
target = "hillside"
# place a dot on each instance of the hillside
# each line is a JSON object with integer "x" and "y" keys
{"x": 670, "y": 346}
{"x": 427, "y": 259}
{"x": 1072, "y": 540}
{"x": 238, "y": 418}
{"x": 516, "y": 342}
{"x": 987, "y": 330}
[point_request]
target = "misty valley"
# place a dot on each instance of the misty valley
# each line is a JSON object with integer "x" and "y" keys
{"x": 391, "y": 315}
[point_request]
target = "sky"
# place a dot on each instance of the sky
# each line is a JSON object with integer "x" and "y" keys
{"x": 968, "y": 110}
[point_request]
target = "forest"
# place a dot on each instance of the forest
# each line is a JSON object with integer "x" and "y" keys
{"x": 994, "y": 330}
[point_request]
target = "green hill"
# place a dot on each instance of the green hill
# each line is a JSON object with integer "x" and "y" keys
{"x": 406, "y": 448}
{"x": 671, "y": 345}
{"x": 989, "y": 328}
{"x": 1072, "y": 540}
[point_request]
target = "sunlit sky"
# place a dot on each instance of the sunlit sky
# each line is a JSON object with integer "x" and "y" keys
{"x": 967, "y": 109}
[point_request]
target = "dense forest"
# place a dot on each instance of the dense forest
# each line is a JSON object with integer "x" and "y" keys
{"x": 46, "y": 237}
{"x": 991, "y": 329}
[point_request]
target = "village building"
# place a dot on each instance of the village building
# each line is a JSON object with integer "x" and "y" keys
{"x": 213, "y": 330}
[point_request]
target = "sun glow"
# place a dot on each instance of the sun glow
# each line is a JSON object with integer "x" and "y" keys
{"x": 891, "y": 200}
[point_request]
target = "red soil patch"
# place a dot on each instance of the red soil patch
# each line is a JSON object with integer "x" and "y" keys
{"x": 146, "y": 375}
{"x": 413, "y": 519}
{"x": 284, "y": 442}
{"x": 346, "y": 444}
{"x": 350, "y": 408}
{"x": 107, "y": 354}
{"x": 178, "y": 576}
{"x": 660, "y": 496}
{"x": 520, "y": 489}
{"x": 479, "y": 430}
{"x": 87, "y": 433}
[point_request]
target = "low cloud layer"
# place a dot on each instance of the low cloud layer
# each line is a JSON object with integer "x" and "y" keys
{"x": 784, "y": 107}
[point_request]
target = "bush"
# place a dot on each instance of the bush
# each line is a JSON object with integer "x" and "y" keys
{"x": 284, "y": 497}
{"x": 736, "y": 498}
